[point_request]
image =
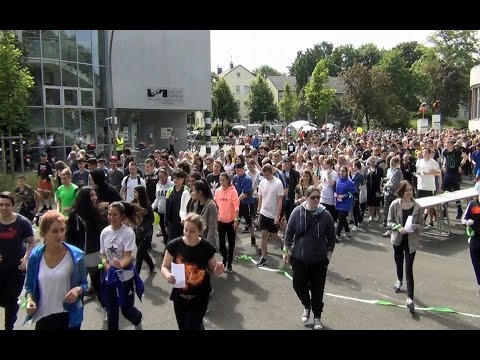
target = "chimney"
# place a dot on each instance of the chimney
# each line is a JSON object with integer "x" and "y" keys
{"x": 219, "y": 70}
{"x": 231, "y": 65}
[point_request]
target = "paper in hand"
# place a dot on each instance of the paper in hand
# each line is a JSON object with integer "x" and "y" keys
{"x": 178, "y": 270}
{"x": 408, "y": 225}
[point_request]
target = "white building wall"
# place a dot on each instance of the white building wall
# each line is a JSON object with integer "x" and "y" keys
{"x": 175, "y": 60}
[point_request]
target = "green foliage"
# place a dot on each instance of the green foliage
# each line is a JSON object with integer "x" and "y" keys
{"x": 441, "y": 80}
{"x": 410, "y": 52}
{"x": 288, "y": 106}
{"x": 15, "y": 84}
{"x": 404, "y": 83}
{"x": 319, "y": 97}
{"x": 369, "y": 94}
{"x": 342, "y": 58}
{"x": 266, "y": 71}
{"x": 224, "y": 105}
{"x": 260, "y": 100}
{"x": 304, "y": 64}
{"x": 369, "y": 55}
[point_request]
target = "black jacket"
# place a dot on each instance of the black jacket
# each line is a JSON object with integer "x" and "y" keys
{"x": 293, "y": 181}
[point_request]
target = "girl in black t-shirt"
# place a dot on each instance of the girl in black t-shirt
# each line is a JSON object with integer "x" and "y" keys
{"x": 198, "y": 256}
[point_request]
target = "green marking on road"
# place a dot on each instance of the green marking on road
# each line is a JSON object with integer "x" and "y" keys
{"x": 384, "y": 302}
{"x": 437, "y": 309}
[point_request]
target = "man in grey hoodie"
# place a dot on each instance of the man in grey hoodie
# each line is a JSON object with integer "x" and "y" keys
{"x": 309, "y": 243}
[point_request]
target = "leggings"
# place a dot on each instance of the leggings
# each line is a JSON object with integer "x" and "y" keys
{"x": 402, "y": 252}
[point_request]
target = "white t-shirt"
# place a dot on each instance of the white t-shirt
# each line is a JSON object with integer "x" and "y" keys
{"x": 268, "y": 190}
{"x": 255, "y": 181}
{"x": 53, "y": 285}
{"x": 426, "y": 182}
{"x": 129, "y": 185}
{"x": 113, "y": 243}
{"x": 326, "y": 195}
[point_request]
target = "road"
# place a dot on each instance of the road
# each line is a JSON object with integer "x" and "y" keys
{"x": 362, "y": 269}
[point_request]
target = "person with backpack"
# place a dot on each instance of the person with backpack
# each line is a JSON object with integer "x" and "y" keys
{"x": 129, "y": 182}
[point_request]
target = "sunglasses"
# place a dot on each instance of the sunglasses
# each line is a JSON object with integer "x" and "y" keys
{"x": 315, "y": 197}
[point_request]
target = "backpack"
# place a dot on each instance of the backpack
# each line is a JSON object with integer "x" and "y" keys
{"x": 125, "y": 179}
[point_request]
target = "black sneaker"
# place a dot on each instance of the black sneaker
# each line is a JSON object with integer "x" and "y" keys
{"x": 262, "y": 261}
{"x": 245, "y": 230}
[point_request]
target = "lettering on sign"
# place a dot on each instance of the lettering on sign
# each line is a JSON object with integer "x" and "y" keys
{"x": 162, "y": 95}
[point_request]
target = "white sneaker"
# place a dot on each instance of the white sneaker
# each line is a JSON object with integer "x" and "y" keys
{"x": 317, "y": 324}
{"x": 387, "y": 233}
{"x": 354, "y": 228}
{"x": 104, "y": 315}
{"x": 305, "y": 315}
{"x": 410, "y": 305}
{"x": 375, "y": 218}
{"x": 370, "y": 219}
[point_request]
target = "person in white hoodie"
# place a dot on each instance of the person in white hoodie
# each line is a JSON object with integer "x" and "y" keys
{"x": 160, "y": 203}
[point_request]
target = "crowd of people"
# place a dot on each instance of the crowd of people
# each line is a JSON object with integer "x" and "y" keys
{"x": 307, "y": 198}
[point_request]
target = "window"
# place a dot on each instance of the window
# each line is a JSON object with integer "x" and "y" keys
{"x": 69, "y": 45}
{"x": 237, "y": 89}
{"x": 36, "y": 92}
{"x": 31, "y": 42}
{"x": 88, "y": 126}
{"x": 100, "y": 81}
{"x": 84, "y": 42}
{"x": 246, "y": 89}
{"x": 69, "y": 74}
{"x": 54, "y": 125}
{"x": 70, "y": 97}
{"x": 51, "y": 73}
{"x": 52, "y": 96}
{"x": 238, "y": 74}
{"x": 86, "y": 97}
{"x": 50, "y": 44}
{"x": 85, "y": 75}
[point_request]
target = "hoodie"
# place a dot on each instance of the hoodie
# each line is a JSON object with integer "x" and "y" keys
{"x": 310, "y": 243}
{"x": 105, "y": 192}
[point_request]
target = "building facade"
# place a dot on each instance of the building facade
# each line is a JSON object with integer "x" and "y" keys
{"x": 238, "y": 79}
{"x": 474, "y": 123}
{"x": 157, "y": 77}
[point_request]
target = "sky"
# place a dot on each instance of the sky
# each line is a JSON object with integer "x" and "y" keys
{"x": 278, "y": 48}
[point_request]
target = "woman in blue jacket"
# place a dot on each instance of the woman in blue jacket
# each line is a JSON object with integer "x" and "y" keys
{"x": 56, "y": 279}
{"x": 345, "y": 190}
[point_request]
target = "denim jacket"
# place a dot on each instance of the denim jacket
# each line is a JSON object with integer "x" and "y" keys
{"x": 79, "y": 278}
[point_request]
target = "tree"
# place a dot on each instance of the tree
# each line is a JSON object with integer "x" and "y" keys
{"x": 404, "y": 83}
{"x": 441, "y": 80}
{"x": 410, "y": 52}
{"x": 342, "y": 58}
{"x": 304, "y": 64}
{"x": 288, "y": 106}
{"x": 458, "y": 50}
{"x": 459, "y": 47}
{"x": 15, "y": 84}
{"x": 261, "y": 102}
{"x": 266, "y": 71}
{"x": 319, "y": 97}
{"x": 369, "y": 55}
{"x": 224, "y": 106}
